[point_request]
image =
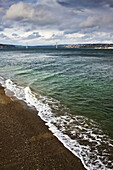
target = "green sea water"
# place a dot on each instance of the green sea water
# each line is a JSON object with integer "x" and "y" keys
{"x": 81, "y": 80}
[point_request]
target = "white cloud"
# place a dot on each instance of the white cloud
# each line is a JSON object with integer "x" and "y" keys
{"x": 75, "y": 35}
{"x": 19, "y": 11}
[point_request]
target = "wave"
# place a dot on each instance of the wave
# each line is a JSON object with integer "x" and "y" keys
{"x": 83, "y": 137}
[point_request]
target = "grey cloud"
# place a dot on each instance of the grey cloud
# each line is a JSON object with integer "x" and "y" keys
{"x": 15, "y": 35}
{"x": 6, "y": 3}
{"x": 98, "y": 21}
{"x": 3, "y": 36}
{"x": 60, "y": 36}
{"x": 44, "y": 15}
{"x": 82, "y": 30}
{"x": 39, "y": 14}
{"x": 1, "y": 10}
{"x": 90, "y": 22}
{"x": 28, "y": 29}
{"x": 34, "y": 35}
{"x": 57, "y": 37}
{"x": 5, "y": 25}
{"x": 68, "y": 16}
{"x": 55, "y": 16}
{"x": 1, "y": 28}
{"x": 86, "y": 3}
{"x": 99, "y": 36}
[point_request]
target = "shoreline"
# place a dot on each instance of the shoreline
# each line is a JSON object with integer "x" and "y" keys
{"x": 27, "y": 143}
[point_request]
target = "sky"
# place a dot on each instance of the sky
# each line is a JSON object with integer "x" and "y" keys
{"x": 45, "y": 22}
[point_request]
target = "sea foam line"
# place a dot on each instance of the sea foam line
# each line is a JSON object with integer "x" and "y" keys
{"x": 75, "y": 122}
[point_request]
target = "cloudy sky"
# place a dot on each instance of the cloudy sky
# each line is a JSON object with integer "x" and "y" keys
{"x": 41, "y": 22}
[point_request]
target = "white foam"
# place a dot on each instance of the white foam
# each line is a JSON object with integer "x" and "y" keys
{"x": 2, "y": 81}
{"x": 80, "y": 129}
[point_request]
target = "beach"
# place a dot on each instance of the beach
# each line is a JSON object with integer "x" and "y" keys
{"x": 26, "y": 142}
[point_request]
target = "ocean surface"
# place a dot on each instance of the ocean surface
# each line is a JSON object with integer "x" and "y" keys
{"x": 72, "y": 91}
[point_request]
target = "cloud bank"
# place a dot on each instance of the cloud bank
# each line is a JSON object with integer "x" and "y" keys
{"x": 64, "y": 21}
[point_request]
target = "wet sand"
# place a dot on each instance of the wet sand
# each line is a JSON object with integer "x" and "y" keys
{"x": 26, "y": 143}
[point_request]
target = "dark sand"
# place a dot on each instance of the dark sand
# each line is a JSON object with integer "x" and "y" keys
{"x": 26, "y": 143}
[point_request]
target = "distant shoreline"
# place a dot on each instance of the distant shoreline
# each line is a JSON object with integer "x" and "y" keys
{"x": 91, "y": 46}
{"x": 74, "y": 46}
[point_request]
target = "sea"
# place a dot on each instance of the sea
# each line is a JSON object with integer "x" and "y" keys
{"x": 72, "y": 91}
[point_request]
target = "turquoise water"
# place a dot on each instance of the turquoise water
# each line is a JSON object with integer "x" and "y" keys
{"x": 80, "y": 84}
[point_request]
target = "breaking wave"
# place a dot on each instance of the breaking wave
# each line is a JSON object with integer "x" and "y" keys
{"x": 82, "y": 136}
